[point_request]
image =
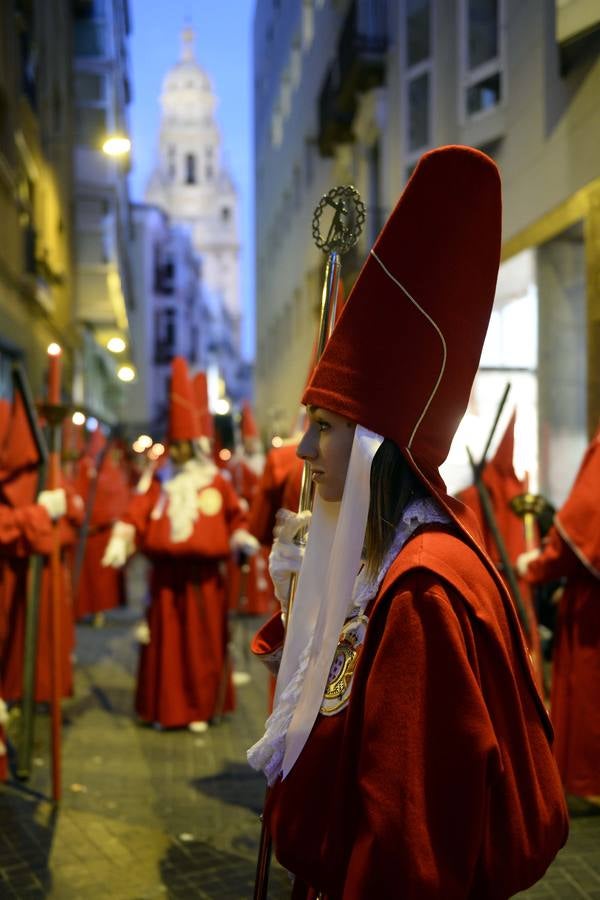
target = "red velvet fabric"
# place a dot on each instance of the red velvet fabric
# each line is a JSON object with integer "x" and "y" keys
{"x": 405, "y": 372}
{"x": 437, "y": 780}
{"x": 184, "y": 424}
{"x": 280, "y": 462}
{"x": 200, "y": 386}
{"x": 101, "y": 587}
{"x": 248, "y": 424}
{"x": 183, "y": 673}
{"x": 37, "y": 534}
{"x": 578, "y": 519}
{"x": 576, "y": 665}
{"x": 502, "y": 484}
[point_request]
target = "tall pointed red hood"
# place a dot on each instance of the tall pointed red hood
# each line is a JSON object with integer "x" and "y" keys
{"x": 200, "y": 386}
{"x": 578, "y": 519}
{"x": 184, "y": 422}
{"x": 19, "y": 457}
{"x": 402, "y": 358}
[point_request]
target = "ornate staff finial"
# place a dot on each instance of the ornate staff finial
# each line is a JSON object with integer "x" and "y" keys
{"x": 347, "y": 221}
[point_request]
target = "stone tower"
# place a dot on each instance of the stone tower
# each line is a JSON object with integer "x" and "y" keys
{"x": 190, "y": 180}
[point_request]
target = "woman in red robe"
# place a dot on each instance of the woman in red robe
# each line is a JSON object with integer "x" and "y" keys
{"x": 27, "y": 529}
{"x": 103, "y": 481}
{"x": 572, "y": 551}
{"x": 187, "y": 523}
{"x": 409, "y": 751}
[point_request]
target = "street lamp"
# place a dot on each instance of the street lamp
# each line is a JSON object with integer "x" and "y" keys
{"x": 116, "y": 345}
{"x": 126, "y": 373}
{"x": 116, "y": 145}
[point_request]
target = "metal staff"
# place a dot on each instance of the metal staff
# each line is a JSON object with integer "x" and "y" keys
{"x": 54, "y": 413}
{"x": 34, "y": 582}
{"x": 344, "y": 230}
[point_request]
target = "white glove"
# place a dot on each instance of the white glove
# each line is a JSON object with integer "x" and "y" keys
{"x": 54, "y": 502}
{"x": 120, "y": 546}
{"x": 286, "y": 556}
{"x": 141, "y": 633}
{"x": 3, "y": 713}
{"x": 242, "y": 543}
{"x": 523, "y": 560}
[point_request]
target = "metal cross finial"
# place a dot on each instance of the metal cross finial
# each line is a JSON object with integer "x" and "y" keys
{"x": 347, "y": 222}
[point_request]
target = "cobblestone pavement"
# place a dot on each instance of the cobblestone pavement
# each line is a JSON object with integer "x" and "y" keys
{"x": 149, "y": 814}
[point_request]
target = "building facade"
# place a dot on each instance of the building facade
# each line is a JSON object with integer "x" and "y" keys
{"x": 192, "y": 184}
{"x": 354, "y": 91}
{"x": 36, "y": 233}
{"x": 103, "y": 290}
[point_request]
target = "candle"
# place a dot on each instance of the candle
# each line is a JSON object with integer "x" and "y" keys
{"x": 54, "y": 363}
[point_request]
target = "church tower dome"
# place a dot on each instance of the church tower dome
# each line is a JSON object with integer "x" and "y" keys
{"x": 191, "y": 181}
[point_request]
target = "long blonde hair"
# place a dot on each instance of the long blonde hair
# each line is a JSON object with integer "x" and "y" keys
{"x": 393, "y": 485}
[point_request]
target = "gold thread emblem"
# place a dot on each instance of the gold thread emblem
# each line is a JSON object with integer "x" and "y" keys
{"x": 210, "y": 501}
{"x": 339, "y": 682}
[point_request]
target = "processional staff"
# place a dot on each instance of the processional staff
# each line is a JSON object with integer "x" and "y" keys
{"x": 34, "y": 586}
{"x": 490, "y": 518}
{"x": 344, "y": 230}
{"x": 54, "y": 413}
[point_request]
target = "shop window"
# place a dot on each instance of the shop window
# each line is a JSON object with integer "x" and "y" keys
{"x": 418, "y": 92}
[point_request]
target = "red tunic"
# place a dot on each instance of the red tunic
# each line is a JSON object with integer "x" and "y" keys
{"x": 576, "y": 666}
{"x": 437, "y": 779}
{"x": 502, "y": 484}
{"x": 183, "y": 673}
{"x": 250, "y": 592}
{"x": 101, "y": 587}
{"x": 37, "y": 537}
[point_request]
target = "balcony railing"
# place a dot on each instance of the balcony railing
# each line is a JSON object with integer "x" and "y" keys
{"x": 360, "y": 66}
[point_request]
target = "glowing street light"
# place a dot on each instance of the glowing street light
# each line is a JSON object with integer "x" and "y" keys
{"x": 116, "y": 145}
{"x": 78, "y": 418}
{"x": 126, "y": 373}
{"x": 116, "y": 345}
{"x": 222, "y": 407}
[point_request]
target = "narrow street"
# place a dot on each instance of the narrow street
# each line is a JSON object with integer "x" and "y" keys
{"x": 166, "y": 814}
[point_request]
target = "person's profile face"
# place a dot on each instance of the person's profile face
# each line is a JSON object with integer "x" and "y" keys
{"x": 326, "y": 445}
{"x": 180, "y": 452}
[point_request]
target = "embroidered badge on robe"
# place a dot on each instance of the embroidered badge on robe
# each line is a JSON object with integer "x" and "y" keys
{"x": 210, "y": 501}
{"x": 339, "y": 681}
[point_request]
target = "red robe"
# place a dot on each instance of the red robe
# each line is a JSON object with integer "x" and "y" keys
{"x": 22, "y": 531}
{"x": 101, "y": 587}
{"x": 183, "y": 673}
{"x": 250, "y": 593}
{"x": 37, "y": 538}
{"x": 437, "y": 779}
{"x": 572, "y": 550}
{"x": 502, "y": 484}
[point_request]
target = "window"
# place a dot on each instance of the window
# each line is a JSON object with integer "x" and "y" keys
{"x": 480, "y": 31}
{"x": 418, "y": 92}
{"x": 90, "y": 39}
{"x": 417, "y": 32}
{"x": 91, "y": 126}
{"x": 171, "y": 163}
{"x": 90, "y": 88}
{"x": 164, "y": 270}
{"x": 165, "y": 334}
{"x": 190, "y": 168}
{"x": 91, "y": 119}
{"x": 418, "y": 112}
{"x": 225, "y": 214}
{"x": 208, "y": 172}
